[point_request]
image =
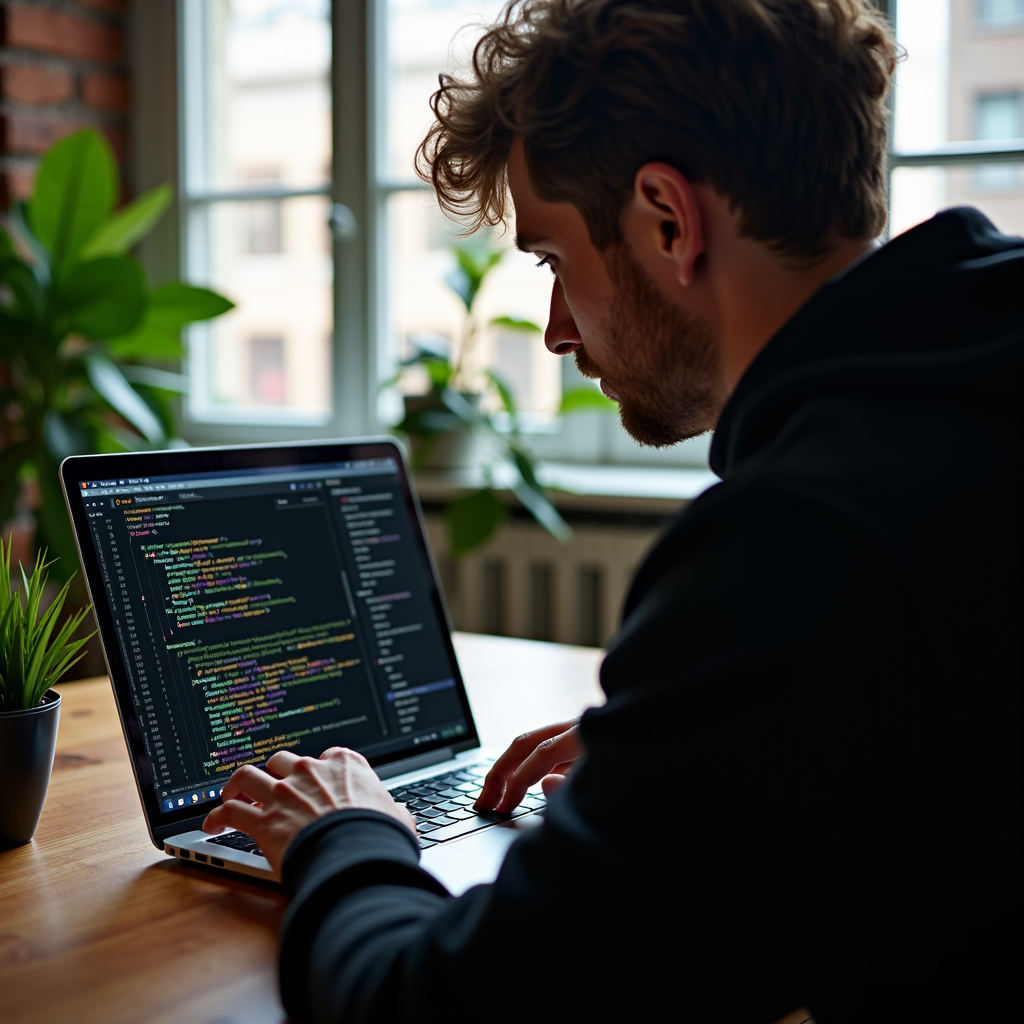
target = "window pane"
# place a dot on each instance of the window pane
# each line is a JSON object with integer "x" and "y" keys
{"x": 424, "y": 38}
{"x": 264, "y": 116}
{"x": 995, "y": 189}
{"x": 964, "y": 73}
{"x": 269, "y": 360}
{"x": 423, "y": 307}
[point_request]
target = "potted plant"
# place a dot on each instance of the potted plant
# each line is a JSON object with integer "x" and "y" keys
{"x": 80, "y": 328}
{"x": 34, "y": 653}
{"x": 468, "y": 417}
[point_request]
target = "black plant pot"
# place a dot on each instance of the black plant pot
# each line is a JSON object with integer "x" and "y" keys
{"x": 27, "y": 742}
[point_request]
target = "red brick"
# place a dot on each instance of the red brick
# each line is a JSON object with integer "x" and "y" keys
{"x": 105, "y": 92}
{"x": 37, "y": 28}
{"x": 32, "y": 134}
{"x": 28, "y": 83}
{"x": 110, "y": 6}
{"x": 15, "y": 184}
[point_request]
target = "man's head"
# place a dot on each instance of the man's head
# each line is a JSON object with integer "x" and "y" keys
{"x": 673, "y": 161}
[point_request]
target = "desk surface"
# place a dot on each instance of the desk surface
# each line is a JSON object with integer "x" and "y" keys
{"x": 96, "y": 925}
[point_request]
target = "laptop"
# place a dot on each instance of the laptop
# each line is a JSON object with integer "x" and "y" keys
{"x": 281, "y": 597}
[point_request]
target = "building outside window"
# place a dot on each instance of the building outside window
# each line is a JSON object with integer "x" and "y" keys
{"x": 266, "y": 114}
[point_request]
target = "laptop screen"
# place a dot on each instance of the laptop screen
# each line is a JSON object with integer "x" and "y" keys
{"x": 270, "y": 607}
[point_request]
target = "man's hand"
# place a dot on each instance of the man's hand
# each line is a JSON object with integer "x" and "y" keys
{"x": 273, "y": 806}
{"x": 543, "y": 755}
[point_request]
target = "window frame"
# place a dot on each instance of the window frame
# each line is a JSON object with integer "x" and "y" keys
{"x": 359, "y": 193}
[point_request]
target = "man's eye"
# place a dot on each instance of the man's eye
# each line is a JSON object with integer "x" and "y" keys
{"x": 546, "y": 263}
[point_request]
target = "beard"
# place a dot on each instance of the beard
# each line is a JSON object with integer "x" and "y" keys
{"x": 663, "y": 361}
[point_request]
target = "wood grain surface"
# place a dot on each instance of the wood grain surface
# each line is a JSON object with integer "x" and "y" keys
{"x": 97, "y": 925}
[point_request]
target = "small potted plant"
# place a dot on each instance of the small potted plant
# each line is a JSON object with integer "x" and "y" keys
{"x": 34, "y": 653}
{"x": 468, "y": 418}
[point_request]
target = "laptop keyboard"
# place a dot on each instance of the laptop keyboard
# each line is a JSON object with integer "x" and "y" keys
{"x": 442, "y": 806}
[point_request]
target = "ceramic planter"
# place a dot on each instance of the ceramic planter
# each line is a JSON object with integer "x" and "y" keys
{"x": 459, "y": 449}
{"x": 27, "y": 742}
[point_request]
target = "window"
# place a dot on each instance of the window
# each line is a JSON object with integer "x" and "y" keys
{"x": 326, "y": 312}
{"x": 257, "y": 148}
{"x": 957, "y": 118}
{"x": 999, "y": 13}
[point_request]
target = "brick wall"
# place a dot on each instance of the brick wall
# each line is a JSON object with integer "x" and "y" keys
{"x": 62, "y": 67}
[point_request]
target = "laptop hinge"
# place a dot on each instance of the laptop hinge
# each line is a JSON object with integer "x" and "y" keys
{"x": 410, "y": 764}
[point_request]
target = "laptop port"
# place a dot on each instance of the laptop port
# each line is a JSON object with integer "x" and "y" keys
{"x": 184, "y": 853}
{"x": 217, "y": 862}
{"x": 201, "y": 856}
{"x": 169, "y": 849}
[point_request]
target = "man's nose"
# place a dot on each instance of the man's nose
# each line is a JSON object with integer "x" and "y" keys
{"x": 562, "y": 336}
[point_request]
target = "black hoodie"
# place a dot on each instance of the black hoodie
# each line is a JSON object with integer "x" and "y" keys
{"x": 805, "y": 787}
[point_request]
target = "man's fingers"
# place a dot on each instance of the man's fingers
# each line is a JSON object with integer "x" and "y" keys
{"x": 282, "y": 764}
{"x": 555, "y": 750}
{"x": 518, "y": 751}
{"x": 553, "y": 782}
{"x": 233, "y": 814}
{"x": 248, "y": 783}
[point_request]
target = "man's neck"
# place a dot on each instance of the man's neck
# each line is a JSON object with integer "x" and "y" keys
{"x": 760, "y": 292}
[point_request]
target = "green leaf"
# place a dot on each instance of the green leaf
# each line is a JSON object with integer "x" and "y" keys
{"x": 147, "y": 342}
{"x": 439, "y": 371}
{"x": 128, "y": 225}
{"x": 515, "y": 324}
{"x": 75, "y": 190}
{"x": 64, "y": 435}
{"x": 472, "y": 265}
{"x": 6, "y": 245}
{"x": 105, "y": 297}
{"x": 174, "y": 304}
{"x": 154, "y": 378}
{"x": 19, "y": 221}
{"x": 585, "y": 399}
{"x": 533, "y": 498}
{"x": 505, "y": 394}
{"x": 472, "y": 520}
{"x": 110, "y": 383}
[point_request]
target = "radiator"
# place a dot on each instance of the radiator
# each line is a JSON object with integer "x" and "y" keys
{"x": 525, "y": 583}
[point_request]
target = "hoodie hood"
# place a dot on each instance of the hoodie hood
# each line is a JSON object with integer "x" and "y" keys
{"x": 912, "y": 317}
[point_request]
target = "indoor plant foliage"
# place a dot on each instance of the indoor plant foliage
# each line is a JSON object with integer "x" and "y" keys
{"x": 34, "y": 653}
{"x": 77, "y": 320}
{"x": 466, "y": 398}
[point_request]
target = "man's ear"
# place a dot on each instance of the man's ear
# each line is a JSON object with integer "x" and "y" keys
{"x": 670, "y": 217}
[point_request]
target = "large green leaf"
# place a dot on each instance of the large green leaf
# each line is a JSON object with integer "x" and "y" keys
{"x": 128, "y": 225}
{"x": 147, "y": 342}
{"x": 110, "y": 382}
{"x": 585, "y": 399}
{"x": 75, "y": 190}
{"x": 104, "y": 297}
{"x": 472, "y": 520}
{"x": 169, "y": 309}
{"x": 174, "y": 304}
{"x": 6, "y": 245}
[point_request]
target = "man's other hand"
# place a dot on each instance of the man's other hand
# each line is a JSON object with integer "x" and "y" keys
{"x": 273, "y": 806}
{"x": 543, "y": 755}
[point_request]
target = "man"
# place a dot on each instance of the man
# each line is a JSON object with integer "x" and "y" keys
{"x": 804, "y": 789}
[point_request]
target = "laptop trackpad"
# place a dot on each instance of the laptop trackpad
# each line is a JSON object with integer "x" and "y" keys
{"x": 476, "y": 859}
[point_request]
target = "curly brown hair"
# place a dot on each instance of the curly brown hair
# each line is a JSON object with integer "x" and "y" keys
{"x": 779, "y": 105}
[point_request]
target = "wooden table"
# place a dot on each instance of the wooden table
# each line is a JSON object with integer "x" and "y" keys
{"x": 96, "y": 925}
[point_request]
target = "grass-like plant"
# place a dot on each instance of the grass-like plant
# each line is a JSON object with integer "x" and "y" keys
{"x": 34, "y": 652}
